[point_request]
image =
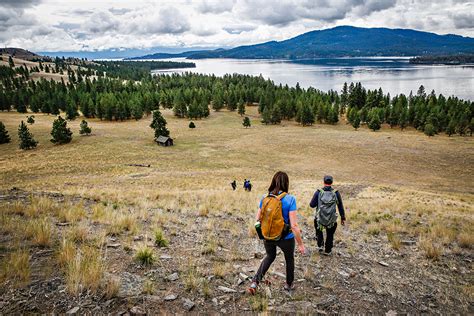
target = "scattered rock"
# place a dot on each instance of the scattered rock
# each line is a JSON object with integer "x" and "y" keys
{"x": 73, "y": 311}
{"x": 63, "y": 224}
{"x": 215, "y": 301}
{"x": 383, "y": 263}
{"x": 239, "y": 281}
{"x": 408, "y": 242}
{"x": 130, "y": 285}
{"x": 344, "y": 273}
{"x": 188, "y": 304}
{"x": 113, "y": 245}
{"x": 170, "y": 297}
{"x": 243, "y": 276}
{"x": 137, "y": 310}
{"x": 172, "y": 277}
{"x": 259, "y": 255}
{"x": 153, "y": 298}
{"x": 226, "y": 289}
{"x": 138, "y": 238}
{"x": 281, "y": 275}
{"x": 268, "y": 292}
{"x": 165, "y": 257}
{"x": 391, "y": 313}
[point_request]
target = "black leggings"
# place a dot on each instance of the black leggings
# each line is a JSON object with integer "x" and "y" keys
{"x": 288, "y": 248}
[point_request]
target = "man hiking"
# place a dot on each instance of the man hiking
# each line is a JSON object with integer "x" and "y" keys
{"x": 278, "y": 227}
{"x": 325, "y": 201}
{"x": 234, "y": 185}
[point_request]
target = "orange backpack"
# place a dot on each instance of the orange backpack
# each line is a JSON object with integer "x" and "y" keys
{"x": 273, "y": 225}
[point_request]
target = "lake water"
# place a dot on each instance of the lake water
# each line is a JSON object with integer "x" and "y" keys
{"x": 394, "y": 74}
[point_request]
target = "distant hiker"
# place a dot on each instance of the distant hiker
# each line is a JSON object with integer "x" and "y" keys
{"x": 275, "y": 213}
{"x": 325, "y": 201}
{"x": 234, "y": 185}
{"x": 247, "y": 185}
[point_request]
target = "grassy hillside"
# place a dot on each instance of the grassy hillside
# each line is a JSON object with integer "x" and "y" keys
{"x": 80, "y": 215}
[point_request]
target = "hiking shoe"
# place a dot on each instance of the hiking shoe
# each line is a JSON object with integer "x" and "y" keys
{"x": 252, "y": 288}
{"x": 289, "y": 288}
{"x": 320, "y": 249}
{"x": 327, "y": 253}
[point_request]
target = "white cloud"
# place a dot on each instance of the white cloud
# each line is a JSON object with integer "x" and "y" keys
{"x": 87, "y": 25}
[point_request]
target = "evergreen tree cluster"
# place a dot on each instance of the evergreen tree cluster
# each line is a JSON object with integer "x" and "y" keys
{"x": 192, "y": 95}
{"x": 428, "y": 113}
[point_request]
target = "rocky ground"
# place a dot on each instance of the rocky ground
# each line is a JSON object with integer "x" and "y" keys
{"x": 364, "y": 274}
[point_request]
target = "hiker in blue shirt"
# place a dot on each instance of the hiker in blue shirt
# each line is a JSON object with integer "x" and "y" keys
{"x": 279, "y": 188}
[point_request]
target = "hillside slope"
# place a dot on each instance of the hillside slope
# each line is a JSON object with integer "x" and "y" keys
{"x": 344, "y": 41}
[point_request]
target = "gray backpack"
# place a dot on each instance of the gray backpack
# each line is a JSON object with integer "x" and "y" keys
{"x": 326, "y": 212}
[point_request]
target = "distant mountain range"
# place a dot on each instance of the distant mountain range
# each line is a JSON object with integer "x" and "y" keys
{"x": 341, "y": 41}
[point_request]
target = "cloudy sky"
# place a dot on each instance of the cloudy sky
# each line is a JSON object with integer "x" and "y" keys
{"x": 85, "y": 25}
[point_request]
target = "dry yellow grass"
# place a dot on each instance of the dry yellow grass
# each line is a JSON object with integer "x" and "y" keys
{"x": 40, "y": 232}
{"x": 16, "y": 267}
{"x": 85, "y": 271}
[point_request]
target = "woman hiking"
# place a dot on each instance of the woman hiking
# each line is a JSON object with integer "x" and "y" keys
{"x": 285, "y": 221}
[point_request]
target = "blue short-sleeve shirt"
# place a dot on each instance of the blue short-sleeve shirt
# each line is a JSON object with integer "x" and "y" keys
{"x": 288, "y": 204}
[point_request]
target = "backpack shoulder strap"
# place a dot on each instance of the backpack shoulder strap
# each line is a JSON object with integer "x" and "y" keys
{"x": 281, "y": 196}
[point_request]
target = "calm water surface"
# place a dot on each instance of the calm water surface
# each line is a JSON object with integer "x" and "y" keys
{"x": 394, "y": 75}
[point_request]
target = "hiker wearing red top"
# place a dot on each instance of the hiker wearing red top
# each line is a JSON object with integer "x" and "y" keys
{"x": 277, "y": 225}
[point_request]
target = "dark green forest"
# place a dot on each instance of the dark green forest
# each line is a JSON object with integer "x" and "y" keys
{"x": 458, "y": 59}
{"x": 192, "y": 96}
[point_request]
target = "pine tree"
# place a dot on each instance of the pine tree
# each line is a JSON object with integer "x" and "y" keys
{"x": 374, "y": 123}
{"x": 4, "y": 137}
{"x": 275, "y": 115}
{"x": 241, "y": 107}
{"x": 192, "y": 125}
{"x": 194, "y": 110}
{"x": 159, "y": 124}
{"x": 306, "y": 114}
{"x": 10, "y": 62}
{"x": 137, "y": 110}
{"x": 403, "y": 120}
{"x": 355, "y": 119}
{"x": 30, "y": 119}
{"x": 429, "y": 129}
{"x": 61, "y": 133}
{"x": 71, "y": 110}
{"x": 451, "y": 128}
{"x": 21, "y": 108}
{"x": 266, "y": 116}
{"x": 179, "y": 105}
{"x": 333, "y": 115}
{"x": 85, "y": 129}
{"x": 246, "y": 122}
{"x": 26, "y": 138}
{"x": 218, "y": 101}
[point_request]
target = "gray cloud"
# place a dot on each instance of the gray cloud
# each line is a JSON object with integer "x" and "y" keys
{"x": 284, "y": 12}
{"x": 463, "y": 20}
{"x": 213, "y": 6}
{"x": 239, "y": 28}
{"x": 120, "y": 11}
{"x": 101, "y": 22}
{"x": 168, "y": 21}
{"x": 19, "y": 3}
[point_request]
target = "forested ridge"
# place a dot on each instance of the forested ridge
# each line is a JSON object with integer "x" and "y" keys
{"x": 444, "y": 59}
{"x": 192, "y": 95}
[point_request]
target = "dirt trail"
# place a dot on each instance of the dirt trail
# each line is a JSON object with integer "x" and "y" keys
{"x": 364, "y": 275}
